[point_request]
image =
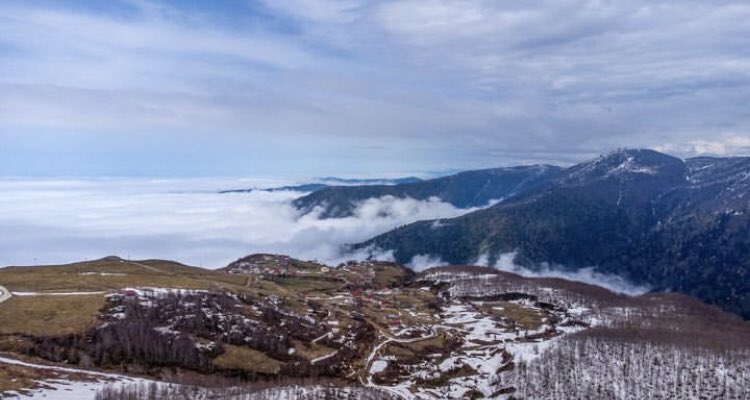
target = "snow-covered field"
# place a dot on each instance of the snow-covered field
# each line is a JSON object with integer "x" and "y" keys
{"x": 70, "y": 389}
{"x": 488, "y": 349}
{"x": 98, "y": 382}
{"x": 4, "y": 294}
{"x": 607, "y": 369}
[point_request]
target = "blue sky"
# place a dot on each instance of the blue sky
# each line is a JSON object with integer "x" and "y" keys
{"x": 355, "y": 88}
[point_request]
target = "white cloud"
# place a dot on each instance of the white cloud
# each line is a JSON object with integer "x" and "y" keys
{"x": 184, "y": 220}
{"x": 506, "y": 262}
{"x": 723, "y": 145}
{"x": 325, "y": 11}
{"x": 434, "y": 84}
{"x": 421, "y": 262}
{"x": 430, "y": 22}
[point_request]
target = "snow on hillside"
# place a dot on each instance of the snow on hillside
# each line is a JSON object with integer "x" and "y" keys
{"x": 67, "y": 389}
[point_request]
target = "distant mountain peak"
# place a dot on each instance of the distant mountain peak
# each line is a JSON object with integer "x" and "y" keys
{"x": 621, "y": 163}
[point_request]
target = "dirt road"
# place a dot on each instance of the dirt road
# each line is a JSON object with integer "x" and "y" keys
{"x": 4, "y": 294}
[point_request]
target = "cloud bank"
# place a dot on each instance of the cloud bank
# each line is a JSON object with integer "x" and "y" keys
{"x": 420, "y": 262}
{"x": 506, "y": 262}
{"x": 43, "y": 222}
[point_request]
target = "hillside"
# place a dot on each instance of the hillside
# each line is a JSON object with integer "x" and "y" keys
{"x": 649, "y": 217}
{"x": 269, "y": 326}
{"x": 462, "y": 190}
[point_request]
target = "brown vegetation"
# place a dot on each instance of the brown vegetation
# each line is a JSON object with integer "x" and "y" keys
{"x": 49, "y": 315}
{"x": 246, "y": 359}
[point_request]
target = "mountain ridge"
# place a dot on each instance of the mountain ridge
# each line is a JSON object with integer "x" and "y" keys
{"x": 323, "y": 183}
{"x": 462, "y": 190}
{"x": 652, "y": 218}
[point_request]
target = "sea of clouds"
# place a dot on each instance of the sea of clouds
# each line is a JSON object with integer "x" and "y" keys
{"x": 48, "y": 222}
{"x": 61, "y": 221}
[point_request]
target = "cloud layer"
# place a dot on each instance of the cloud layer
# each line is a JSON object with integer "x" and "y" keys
{"x": 506, "y": 262}
{"x": 401, "y": 85}
{"x": 57, "y": 221}
{"x": 64, "y": 221}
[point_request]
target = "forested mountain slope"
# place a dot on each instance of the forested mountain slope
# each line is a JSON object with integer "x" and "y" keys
{"x": 674, "y": 224}
{"x": 462, "y": 190}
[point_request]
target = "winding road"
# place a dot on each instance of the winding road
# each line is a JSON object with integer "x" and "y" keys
{"x": 401, "y": 392}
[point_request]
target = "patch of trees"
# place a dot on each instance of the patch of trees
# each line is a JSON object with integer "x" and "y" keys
{"x": 143, "y": 337}
{"x": 308, "y": 390}
{"x": 605, "y": 368}
{"x": 159, "y": 333}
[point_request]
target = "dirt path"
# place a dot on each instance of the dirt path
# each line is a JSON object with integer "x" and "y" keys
{"x": 28, "y": 294}
{"x": 399, "y": 391}
{"x": 13, "y": 361}
{"x": 148, "y": 267}
{"x": 4, "y": 294}
{"x": 83, "y": 386}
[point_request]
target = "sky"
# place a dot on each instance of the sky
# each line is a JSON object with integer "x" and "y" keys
{"x": 295, "y": 88}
